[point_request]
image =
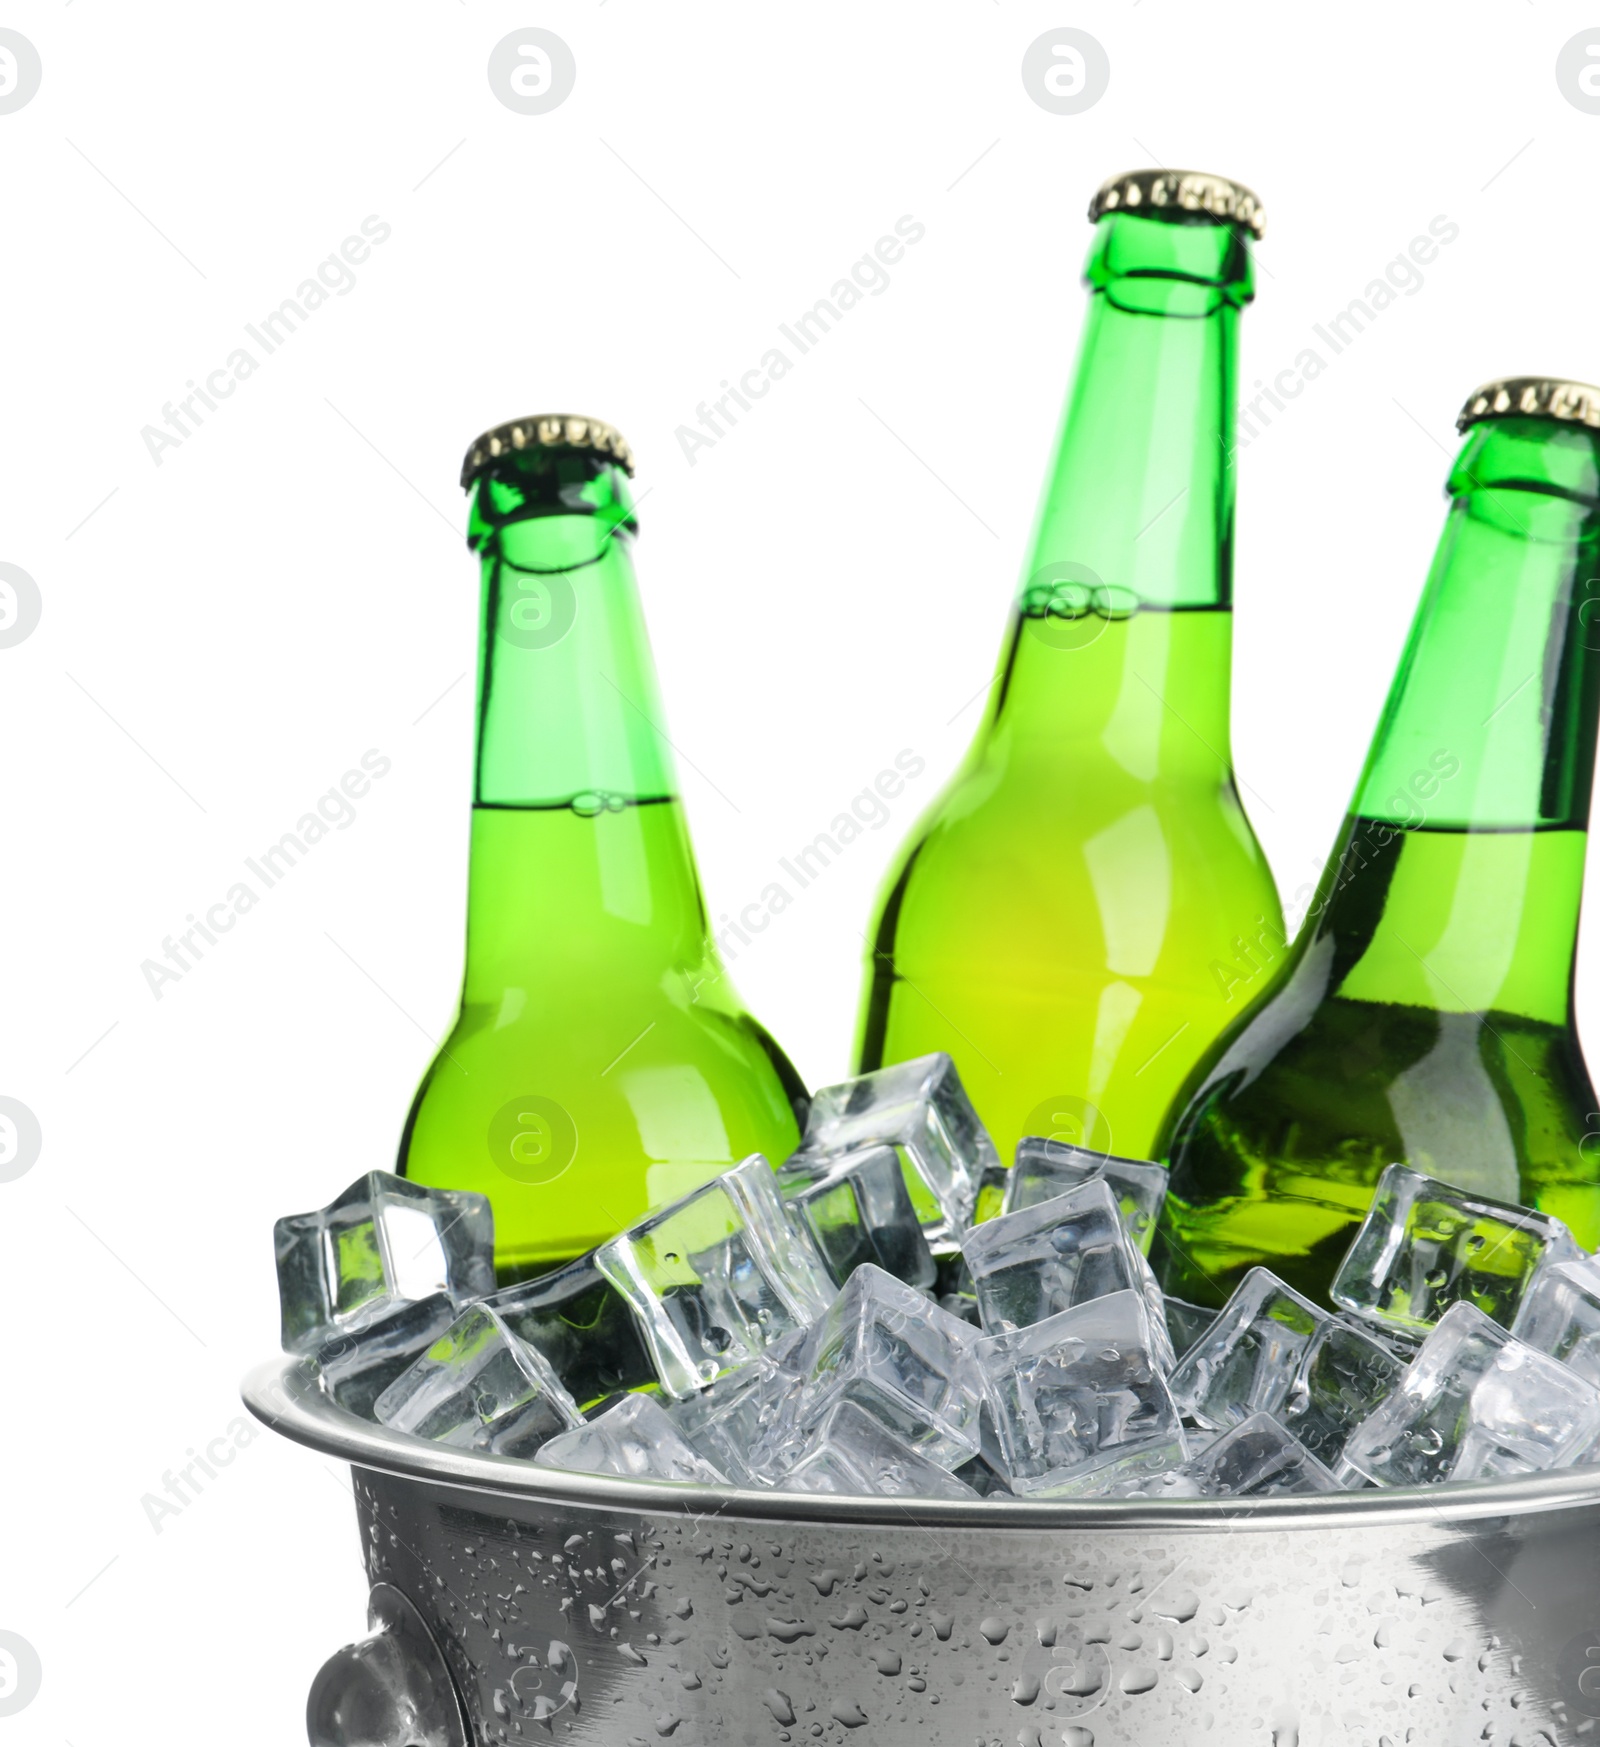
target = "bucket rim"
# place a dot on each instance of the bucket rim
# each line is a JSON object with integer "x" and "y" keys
{"x": 286, "y": 1395}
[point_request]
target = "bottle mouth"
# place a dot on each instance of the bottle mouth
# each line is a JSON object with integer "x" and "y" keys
{"x": 536, "y": 482}
{"x": 1532, "y": 455}
{"x": 1134, "y": 257}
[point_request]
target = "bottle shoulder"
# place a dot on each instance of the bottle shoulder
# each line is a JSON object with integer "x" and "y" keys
{"x": 1305, "y": 1074}
{"x": 996, "y": 821}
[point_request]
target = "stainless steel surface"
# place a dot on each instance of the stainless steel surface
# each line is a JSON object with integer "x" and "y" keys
{"x": 611, "y": 1611}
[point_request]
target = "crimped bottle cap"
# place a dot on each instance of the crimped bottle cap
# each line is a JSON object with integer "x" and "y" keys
{"x": 547, "y": 430}
{"x": 1532, "y": 397}
{"x": 1180, "y": 194}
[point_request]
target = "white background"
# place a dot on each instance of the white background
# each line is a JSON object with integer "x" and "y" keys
{"x": 224, "y": 634}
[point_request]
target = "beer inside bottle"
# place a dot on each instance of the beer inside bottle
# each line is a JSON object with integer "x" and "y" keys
{"x": 1076, "y": 915}
{"x": 1424, "y": 1014}
{"x": 602, "y": 1062}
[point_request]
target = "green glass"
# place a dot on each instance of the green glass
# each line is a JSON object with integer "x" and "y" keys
{"x": 1079, "y": 912}
{"x": 1424, "y": 1013}
{"x": 602, "y": 1062}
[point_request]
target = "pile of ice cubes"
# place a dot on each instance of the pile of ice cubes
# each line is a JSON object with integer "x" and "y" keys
{"x": 891, "y": 1311}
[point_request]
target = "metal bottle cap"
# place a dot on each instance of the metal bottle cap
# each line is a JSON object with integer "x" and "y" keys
{"x": 550, "y": 430}
{"x": 1179, "y": 194}
{"x": 1532, "y": 397}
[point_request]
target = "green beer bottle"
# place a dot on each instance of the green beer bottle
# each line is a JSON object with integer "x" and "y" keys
{"x": 1424, "y": 1013}
{"x": 601, "y": 1063}
{"x": 1068, "y": 918}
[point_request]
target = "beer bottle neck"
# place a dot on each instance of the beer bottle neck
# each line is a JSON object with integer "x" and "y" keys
{"x": 579, "y": 848}
{"x": 568, "y": 713}
{"x": 1140, "y": 492}
{"x": 1497, "y": 680}
{"x": 1135, "y": 527}
{"x": 1458, "y": 880}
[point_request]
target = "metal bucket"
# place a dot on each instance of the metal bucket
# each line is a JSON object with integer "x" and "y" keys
{"x": 515, "y": 1604}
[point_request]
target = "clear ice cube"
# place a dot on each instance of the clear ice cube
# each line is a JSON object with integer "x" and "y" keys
{"x": 850, "y": 1451}
{"x": 1404, "y": 1343}
{"x": 1246, "y": 1362}
{"x": 1476, "y": 1404}
{"x": 732, "y": 1423}
{"x": 717, "y": 1277}
{"x": 985, "y": 1475}
{"x": 1035, "y": 1263}
{"x": 1186, "y": 1323}
{"x": 383, "y": 1244}
{"x": 479, "y": 1387}
{"x": 1047, "y": 1168}
{"x": 990, "y": 1200}
{"x": 1426, "y": 1245}
{"x": 857, "y": 1209}
{"x": 1343, "y": 1376}
{"x": 898, "y": 1356}
{"x": 585, "y": 1328}
{"x": 637, "y": 1440}
{"x": 1561, "y": 1315}
{"x": 1258, "y": 1458}
{"x": 357, "y": 1366}
{"x": 1078, "y": 1401}
{"x": 921, "y": 1110}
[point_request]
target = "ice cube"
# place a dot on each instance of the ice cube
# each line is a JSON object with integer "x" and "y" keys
{"x": 985, "y": 1476}
{"x": 1246, "y": 1362}
{"x": 962, "y": 1305}
{"x": 1343, "y": 1376}
{"x": 1404, "y": 1343}
{"x": 850, "y": 1451}
{"x": 1426, "y": 1245}
{"x": 383, "y": 1244}
{"x": 1186, "y": 1323}
{"x": 921, "y": 1110}
{"x": 857, "y": 1209}
{"x": 585, "y": 1328}
{"x": 1035, "y": 1263}
{"x": 896, "y": 1354}
{"x": 1476, "y": 1404}
{"x": 990, "y": 1200}
{"x": 635, "y": 1439}
{"x": 1561, "y": 1315}
{"x": 716, "y": 1277}
{"x": 1259, "y": 1458}
{"x": 480, "y": 1388}
{"x": 356, "y": 1367}
{"x": 1079, "y": 1403}
{"x": 1047, "y": 1168}
{"x": 1169, "y": 1484}
{"x": 731, "y": 1423}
